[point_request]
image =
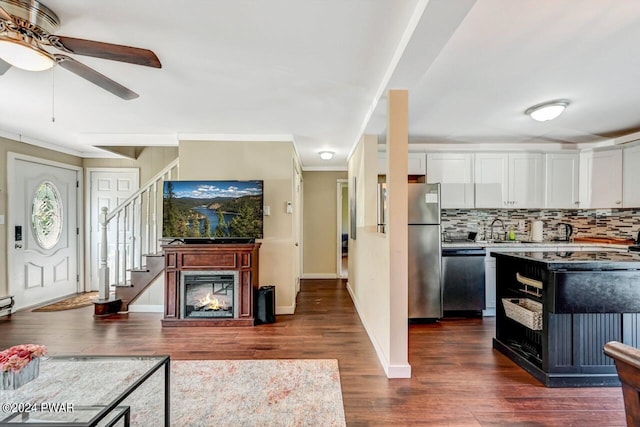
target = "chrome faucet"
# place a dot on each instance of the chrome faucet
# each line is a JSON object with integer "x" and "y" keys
{"x": 491, "y": 228}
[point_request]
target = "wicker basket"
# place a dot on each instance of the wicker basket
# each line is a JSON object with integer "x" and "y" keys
{"x": 524, "y": 311}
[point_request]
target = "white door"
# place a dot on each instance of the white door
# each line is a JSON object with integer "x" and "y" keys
{"x": 107, "y": 188}
{"x": 297, "y": 223}
{"x": 43, "y": 230}
{"x": 342, "y": 229}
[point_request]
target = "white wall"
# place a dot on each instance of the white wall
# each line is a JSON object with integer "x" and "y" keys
{"x": 378, "y": 263}
{"x": 369, "y": 281}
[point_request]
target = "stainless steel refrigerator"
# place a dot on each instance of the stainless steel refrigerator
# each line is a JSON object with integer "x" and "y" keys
{"x": 425, "y": 252}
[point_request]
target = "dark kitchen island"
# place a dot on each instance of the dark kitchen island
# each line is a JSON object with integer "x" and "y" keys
{"x": 556, "y": 310}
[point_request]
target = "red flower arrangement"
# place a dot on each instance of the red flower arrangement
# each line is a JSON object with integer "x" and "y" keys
{"x": 19, "y": 356}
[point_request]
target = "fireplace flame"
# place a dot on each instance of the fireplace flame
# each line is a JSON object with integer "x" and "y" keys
{"x": 209, "y": 303}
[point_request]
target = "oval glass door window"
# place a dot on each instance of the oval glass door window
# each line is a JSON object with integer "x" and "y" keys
{"x": 46, "y": 215}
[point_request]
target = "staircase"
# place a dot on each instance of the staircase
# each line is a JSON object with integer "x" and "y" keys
{"x": 135, "y": 258}
{"x": 139, "y": 281}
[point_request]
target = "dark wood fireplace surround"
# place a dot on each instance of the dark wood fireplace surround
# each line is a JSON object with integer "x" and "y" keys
{"x": 242, "y": 258}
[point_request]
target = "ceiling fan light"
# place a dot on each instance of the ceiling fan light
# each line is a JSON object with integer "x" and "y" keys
{"x": 23, "y": 56}
{"x": 548, "y": 110}
{"x": 326, "y": 155}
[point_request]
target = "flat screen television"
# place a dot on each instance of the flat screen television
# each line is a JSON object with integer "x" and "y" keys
{"x": 212, "y": 211}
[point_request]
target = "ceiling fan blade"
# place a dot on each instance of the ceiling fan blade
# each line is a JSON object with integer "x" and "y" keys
{"x": 4, "y": 66}
{"x": 114, "y": 52}
{"x": 5, "y": 15}
{"x": 94, "y": 77}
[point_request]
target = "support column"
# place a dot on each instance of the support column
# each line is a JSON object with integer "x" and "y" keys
{"x": 397, "y": 193}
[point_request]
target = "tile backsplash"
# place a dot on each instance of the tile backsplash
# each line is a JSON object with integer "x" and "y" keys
{"x": 611, "y": 223}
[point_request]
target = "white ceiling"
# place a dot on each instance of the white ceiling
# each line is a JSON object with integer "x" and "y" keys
{"x": 313, "y": 71}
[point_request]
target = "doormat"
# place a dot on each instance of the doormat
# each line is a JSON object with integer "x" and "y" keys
{"x": 79, "y": 300}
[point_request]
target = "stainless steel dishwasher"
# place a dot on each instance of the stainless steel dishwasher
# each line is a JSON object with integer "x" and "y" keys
{"x": 463, "y": 285}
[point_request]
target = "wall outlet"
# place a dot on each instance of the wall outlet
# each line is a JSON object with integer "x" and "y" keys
{"x": 267, "y": 210}
{"x": 521, "y": 225}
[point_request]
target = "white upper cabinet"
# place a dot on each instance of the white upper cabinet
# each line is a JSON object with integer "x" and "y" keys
{"x": 491, "y": 180}
{"x": 416, "y": 164}
{"x": 454, "y": 172}
{"x": 562, "y": 183}
{"x": 631, "y": 177}
{"x": 601, "y": 179}
{"x": 526, "y": 180}
{"x": 509, "y": 180}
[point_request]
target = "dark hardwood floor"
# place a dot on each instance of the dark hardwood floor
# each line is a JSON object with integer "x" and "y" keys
{"x": 458, "y": 379}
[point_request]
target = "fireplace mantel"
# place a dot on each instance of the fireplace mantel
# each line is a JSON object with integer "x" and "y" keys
{"x": 179, "y": 258}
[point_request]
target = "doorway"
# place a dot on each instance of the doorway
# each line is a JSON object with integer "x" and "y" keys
{"x": 297, "y": 226}
{"x": 342, "y": 229}
{"x": 108, "y": 187}
{"x": 44, "y": 242}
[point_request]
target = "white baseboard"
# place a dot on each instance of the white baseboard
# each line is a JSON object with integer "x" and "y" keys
{"x": 319, "y": 276}
{"x": 398, "y": 371}
{"x": 146, "y": 308}
{"x": 291, "y": 309}
{"x": 489, "y": 312}
{"x": 392, "y": 371}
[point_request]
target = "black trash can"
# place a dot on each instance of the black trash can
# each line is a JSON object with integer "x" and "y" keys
{"x": 265, "y": 306}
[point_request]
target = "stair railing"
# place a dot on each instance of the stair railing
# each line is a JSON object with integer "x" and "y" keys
{"x": 138, "y": 224}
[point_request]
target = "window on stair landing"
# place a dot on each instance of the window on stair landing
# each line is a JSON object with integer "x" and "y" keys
{"x": 46, "y": 215}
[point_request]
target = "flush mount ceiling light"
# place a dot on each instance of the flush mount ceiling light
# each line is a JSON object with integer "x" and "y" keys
{"x": 547, "y": 110}
{"x": 326, "y": 155}
{"x": 24, "y": 56}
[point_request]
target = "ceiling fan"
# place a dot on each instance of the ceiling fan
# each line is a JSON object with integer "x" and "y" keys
{"x": 27, "y": 26}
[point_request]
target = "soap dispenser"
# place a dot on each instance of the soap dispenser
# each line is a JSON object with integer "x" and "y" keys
{"x": 512, "y": 233}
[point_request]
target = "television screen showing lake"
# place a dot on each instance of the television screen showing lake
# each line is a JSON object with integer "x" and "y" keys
{"x": 212, "y": 209}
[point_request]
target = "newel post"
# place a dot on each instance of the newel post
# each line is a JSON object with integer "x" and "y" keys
{"x": 103, "y": 272}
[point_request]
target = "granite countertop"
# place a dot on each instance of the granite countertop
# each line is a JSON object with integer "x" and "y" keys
{"x": 519, "y": 243}
{"x": 596, "y": 260}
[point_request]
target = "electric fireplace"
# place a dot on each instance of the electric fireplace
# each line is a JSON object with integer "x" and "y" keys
{"x": 209, "y": 294}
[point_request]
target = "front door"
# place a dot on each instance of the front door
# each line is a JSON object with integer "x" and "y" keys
{"x": 43, "y": 230}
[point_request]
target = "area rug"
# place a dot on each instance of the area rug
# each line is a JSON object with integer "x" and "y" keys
{"x": 244, "y": 393}
{"x": 204, "y": 393}
{"x": 80, "y": 300}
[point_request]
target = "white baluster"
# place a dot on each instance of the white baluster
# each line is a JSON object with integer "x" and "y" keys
{"x": 103, "y": 272}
